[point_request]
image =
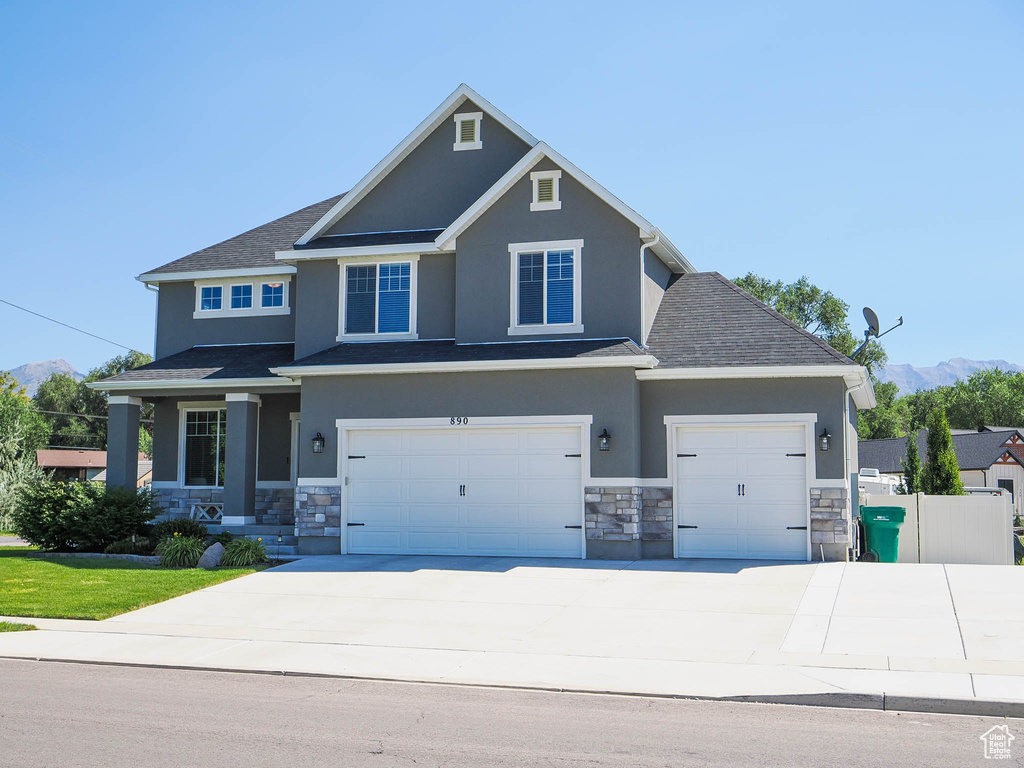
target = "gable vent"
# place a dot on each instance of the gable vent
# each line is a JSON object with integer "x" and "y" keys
{"x": 545, "y": 190}
{"x": 467, "y": 131}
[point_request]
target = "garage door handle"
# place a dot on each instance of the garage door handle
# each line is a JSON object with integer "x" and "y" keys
{"x": 686, "y": 526}
{"x": 574, "y": 526}
{"x": 796, "y": 527}
{"x": 351, "y": 524}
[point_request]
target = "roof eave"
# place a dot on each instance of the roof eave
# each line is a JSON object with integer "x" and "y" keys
{"x": 176, "y": 384}
{"x": 155, "y": 278}
{"x": 615, "y": 361}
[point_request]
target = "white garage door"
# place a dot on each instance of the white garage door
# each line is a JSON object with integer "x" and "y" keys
{"x": 465, "y": 491}
{"x": 741, "y": 492}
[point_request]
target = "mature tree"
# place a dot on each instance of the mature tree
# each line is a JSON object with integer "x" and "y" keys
{"x": 816, "y": 310}
{"x": 23, "y": 430}
{"x": 941, "y": 473}
{"x": 911, "y": 466}
{"x": 78, "y": 413}
{"x": 887, "y": 418}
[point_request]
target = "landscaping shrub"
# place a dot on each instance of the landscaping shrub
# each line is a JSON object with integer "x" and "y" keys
{"x": 224, "y": 539}
{"x": 940, "y": 475}
{"x": 244, "y": 552}
{"x": 180, "y": 551}
{"x": 182, "y": 527}
{"x": 83, "y": 516}
{"x": 142, "y": 545}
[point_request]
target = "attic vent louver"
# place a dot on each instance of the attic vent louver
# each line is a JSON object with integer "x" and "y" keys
{"x": 467, "y": 131}
{"x": 545, "y": 190}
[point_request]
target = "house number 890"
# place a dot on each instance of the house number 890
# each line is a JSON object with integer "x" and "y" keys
{"x": 459, "y": 420}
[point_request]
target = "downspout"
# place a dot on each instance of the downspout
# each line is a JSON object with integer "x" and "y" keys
{"x": 854, "y": 546}
{"x": 156, "y": 313}
{"x": 643, "y": 298}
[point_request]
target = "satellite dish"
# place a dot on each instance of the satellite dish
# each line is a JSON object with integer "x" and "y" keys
{"x": 872, "y": 320}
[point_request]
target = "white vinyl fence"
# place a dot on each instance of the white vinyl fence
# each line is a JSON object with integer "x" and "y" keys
{"x": 976, "y": 530}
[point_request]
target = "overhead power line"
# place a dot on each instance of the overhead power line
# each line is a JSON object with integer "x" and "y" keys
{"x": 73, "y": 328}
{"x": 86, "y": 415}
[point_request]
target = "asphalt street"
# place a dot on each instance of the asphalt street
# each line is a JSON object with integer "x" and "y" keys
{"x": 89, "y": 715}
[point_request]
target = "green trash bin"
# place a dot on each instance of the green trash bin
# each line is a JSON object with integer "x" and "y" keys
{"x": 882, "y": 531}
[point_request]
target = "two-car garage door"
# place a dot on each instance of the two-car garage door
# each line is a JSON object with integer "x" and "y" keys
{"x": 513, "y": 491}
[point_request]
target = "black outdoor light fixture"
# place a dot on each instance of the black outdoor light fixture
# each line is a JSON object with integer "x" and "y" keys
{"x": 604, "y": 441}
{"x": 318, "y": 443}
{"x": 824, "y": 440}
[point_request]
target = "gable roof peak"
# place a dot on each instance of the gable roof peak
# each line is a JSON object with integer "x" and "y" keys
{"x": 444, "y": 110}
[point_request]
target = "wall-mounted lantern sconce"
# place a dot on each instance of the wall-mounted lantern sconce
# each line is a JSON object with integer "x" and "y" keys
{"x": 824, "y": 440}
{"x": 318, "y": 443}
{"x": 604, "y": 441}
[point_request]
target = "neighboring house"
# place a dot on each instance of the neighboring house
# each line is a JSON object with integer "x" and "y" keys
{"x": 70, "y": 464}
{"x": 992, "y": 457}
{"x": 144, "y": 476}
{"x": 480, "y": 350}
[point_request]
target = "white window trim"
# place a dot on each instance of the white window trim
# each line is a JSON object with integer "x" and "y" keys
{"x": 576, "y": 326}
{"x": 231, "y": 291}
{"x": 477, "y": 118}
{"x": 184, "y": 408}
{"x": 554, "y": 205}
{"x": 413, "y": 260}
{"x": 256, "y": 310}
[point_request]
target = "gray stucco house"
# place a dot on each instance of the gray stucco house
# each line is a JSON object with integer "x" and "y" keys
{"x": 480, "y": 350}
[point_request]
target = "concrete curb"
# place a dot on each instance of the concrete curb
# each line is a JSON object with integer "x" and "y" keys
{"x": 845, "y": 700}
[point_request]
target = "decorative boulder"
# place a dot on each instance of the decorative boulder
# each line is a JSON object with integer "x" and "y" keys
{"x": 211, "y": 557}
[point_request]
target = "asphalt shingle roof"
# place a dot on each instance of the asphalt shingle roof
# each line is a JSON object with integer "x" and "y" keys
{"x": 974, "y": 450}
{"x": 450, "y": 352}
{"x": 403, "y": 237}
{"x": 254, "y": 248}
{"x": 706, "y": 321}
{"x": 235, "y": 361}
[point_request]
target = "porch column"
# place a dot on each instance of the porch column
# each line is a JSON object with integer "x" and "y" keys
{"x": 240, "y": 462}
{"x": 123, "y": 441}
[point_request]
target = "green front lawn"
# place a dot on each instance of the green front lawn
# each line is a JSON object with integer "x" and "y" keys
{"x": 10, "y": 626}
{"x": 93, "y": 588}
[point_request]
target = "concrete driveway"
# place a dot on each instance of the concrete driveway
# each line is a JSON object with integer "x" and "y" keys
{"x": 685, "y": 627}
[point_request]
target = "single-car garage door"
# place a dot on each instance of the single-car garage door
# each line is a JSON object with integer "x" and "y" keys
{"x": 741, "y": 491}
{"x": 465, "y": 491}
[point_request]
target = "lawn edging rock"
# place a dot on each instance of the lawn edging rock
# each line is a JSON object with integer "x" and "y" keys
{"x": 150, "y": 559}
{"x": 212, "y": 556}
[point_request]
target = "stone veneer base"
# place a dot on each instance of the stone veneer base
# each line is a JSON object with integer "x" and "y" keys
{"x": 274, "y": 506}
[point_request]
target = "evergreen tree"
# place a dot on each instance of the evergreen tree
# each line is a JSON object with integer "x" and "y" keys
{"x": 941, "y": 473}
{"x": 911, "y": 466}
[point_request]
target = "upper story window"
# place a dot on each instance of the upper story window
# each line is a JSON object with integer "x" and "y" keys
{"x": 378, "y": 300}
{"x": 210, "y": 297}
{"x": 467, "y": 131}
{"x": 241, "y": 297}
{"x": 546, "y": 288}
{"x": 545, "y": 191}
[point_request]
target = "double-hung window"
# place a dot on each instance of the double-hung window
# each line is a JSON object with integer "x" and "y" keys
{"x": 545, "y": 289}
{"x": 273, "y": 295}
{"x": 378, "y": 300}
{"x": 204, "y": 446}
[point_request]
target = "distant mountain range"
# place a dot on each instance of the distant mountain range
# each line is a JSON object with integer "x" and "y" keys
{"x": 910, "y": 378}
{"x": 31, "y": 375}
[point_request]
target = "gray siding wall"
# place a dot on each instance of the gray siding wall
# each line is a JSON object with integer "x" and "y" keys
{"x": 177, "y": 330}
{"x": 659, "y": 399}
{"x": 431, "y": 187}
{"x": 656, "y": 279}
{"x": 274, "y": 436}
{"x": 610, "y": 262}
{"x": 316, "y": 323}
{"x": 610, "y": 395}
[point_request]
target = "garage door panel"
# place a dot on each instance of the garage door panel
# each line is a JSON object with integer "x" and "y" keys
{"x": 377, "y": 513}
{"x": 377, "y": 491}
{"x": 703, "y": 439}
{"x": 786, "y": 490}
{"x": 711, "y": 515}
{"x": 771, "y": 466}
{"x": 710, "y": 545}
{"x": 382, "y": 442}
{"x": 431, "y": 441}
{"x": 790, "y": 545}
{"x": 702, "y": 490}
{"x": 712, "y": 465}
{"x": 494, "y": 491}
{"x": 788, "y": 439}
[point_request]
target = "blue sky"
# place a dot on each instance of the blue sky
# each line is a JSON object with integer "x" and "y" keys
{"x": 875, "y": 147}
